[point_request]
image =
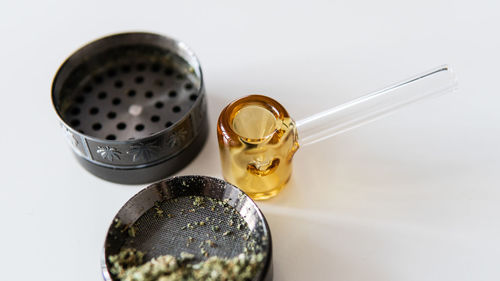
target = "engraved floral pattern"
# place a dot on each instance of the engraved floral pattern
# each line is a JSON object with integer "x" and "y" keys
{"x": 109, "y": 153}
{"x": 143, "y": 151}
{"x": 177, "y": 138}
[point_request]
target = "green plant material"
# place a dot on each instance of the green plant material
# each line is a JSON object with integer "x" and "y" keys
{"x": 128, "y": 266}
{"x": 186, "y": 256}
{"x": 210, "y": 243}
{"x": 124, "y": 260}
{"x": 204, "y": 252}
{"x": 198, "y": 201}
{"x": 159, "y": 211}
{"x": 132, "y": 231}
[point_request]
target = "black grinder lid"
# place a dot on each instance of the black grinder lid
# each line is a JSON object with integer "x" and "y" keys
{"x": 132, "y": 106}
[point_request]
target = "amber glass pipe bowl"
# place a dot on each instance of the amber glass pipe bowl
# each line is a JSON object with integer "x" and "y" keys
{"x": 257, "y": 141}
{"x": 257, "y": 137}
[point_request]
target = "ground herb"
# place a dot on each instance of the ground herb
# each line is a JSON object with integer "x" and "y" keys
{"x": 128, "y": 266}
{"x": 159, "y": 211}
{"x": 132, "y": 231}
{"x": 204, "y": 252}
{"x": 186, "y": 256}
{"x": 198, "y": 201}
{"x": 118, "y": 223}
{"x": 210, "y": 243}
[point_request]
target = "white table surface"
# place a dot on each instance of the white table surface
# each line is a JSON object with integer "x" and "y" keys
{"x": 414, "y": 196}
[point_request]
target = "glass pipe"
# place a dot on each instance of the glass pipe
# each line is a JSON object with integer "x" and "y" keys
{"x": 258, "y": 139}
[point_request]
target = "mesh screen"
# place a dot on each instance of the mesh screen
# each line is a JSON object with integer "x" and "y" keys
{"x": 199, "y": 215}
{"x": 173, "y": 226}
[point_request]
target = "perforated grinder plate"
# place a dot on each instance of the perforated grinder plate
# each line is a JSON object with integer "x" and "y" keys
{"x": 166, "y": 218}
{"x": 132, "y": 106}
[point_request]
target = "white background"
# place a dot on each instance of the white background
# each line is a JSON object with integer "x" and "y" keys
{"x": 414, "y": 196}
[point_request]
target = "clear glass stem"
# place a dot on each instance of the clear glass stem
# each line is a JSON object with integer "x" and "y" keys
{"x": 372, "y": 106}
